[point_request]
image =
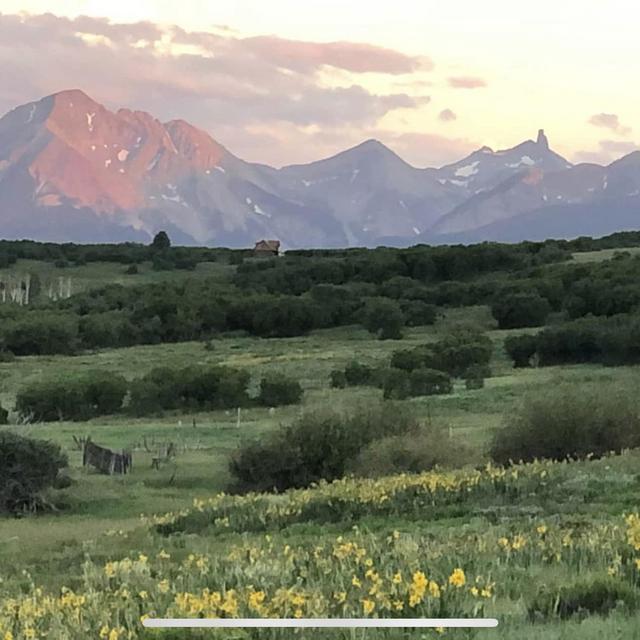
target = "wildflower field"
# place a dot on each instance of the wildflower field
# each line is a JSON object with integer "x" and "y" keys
{"x": 552, "y": 550}
{"x": 548, "y": 548}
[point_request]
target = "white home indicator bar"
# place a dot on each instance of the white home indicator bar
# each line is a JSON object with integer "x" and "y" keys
{"x": 325, "y": 623}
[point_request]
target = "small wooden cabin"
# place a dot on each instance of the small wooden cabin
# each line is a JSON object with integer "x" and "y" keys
{"x": 266, "y": 248}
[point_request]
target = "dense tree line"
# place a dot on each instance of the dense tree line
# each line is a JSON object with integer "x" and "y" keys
{"x": 383, "y": 290}
{"x": 424, "y": 370}
{"x": 195, "y": 388}
{"x": 71, "y": 254}
{"x": 611, "y": 341}
{"x": 299, "y": 271}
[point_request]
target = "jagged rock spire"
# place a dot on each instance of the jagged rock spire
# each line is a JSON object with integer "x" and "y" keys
{"x": 542, "y": 139}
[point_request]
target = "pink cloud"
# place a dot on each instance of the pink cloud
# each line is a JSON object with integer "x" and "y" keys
{"x": 609, "y": 121}
{"x": 446, "y": 115}
{"x": 351, "y": 56}
{"x": 466, "y": 82}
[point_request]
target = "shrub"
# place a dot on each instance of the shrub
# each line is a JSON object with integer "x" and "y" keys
{"x": 189, "y": 389}
{"x": 596, "y": 596}
{"x": 568, "y": 422}
{"x": 475, "y": 375}
{"x": 27, "y": 468}
{"x": 453, "y": 354}
{"x": 4, "y": 415}
{"x": 316, "y": 447}
{"x": 459, "y": 350}
{"x": 384, "y": 318}
{"x": 409, "y": 359}
{"x": 338, "y": 379}
{"x": 97, "y": 393}
{"x": 521, "y": 349}
{"x": 146, "y": 398}
{"x": 520, "y": 310}
{"x": 412, "y": 452}
{"x": 40, "y": 332}
{"x": 7, "y": 356}
{"x": 418, "y": 313}
{"x": 428, "y": 382}
{"x": 357, "y": 373}
{"x": 396, "y": 384}
{"x": 276, "y": 390}
{"x": 131, "y": 270}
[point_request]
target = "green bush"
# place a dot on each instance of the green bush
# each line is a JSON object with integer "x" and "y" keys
{"x": 596, "y": 596}
{"x": 276, "y": 390}
{"x": 318, "y": 446}
{"x": 396, "y": 384}
{"x": 570, "y": 422}
{"x": 189, "y": 389}
{"x": 418, "y": 450}
{"x": 521, "y": 349}
{"x": 7, "y": 356}
{"x": 96, "y": 393}
{"x": 39, "y": 332}
{"x": 520, "y": 310}
{"x": 4, "y": 415}
{"x": 429, "y": 382}
{"x": 418, "y": 313}
{"x": 338, "y": 379}
{"x": 383, "y": 317}
{"x": 27, "y": 468}
{"x": 356, "y": 373}
{"x": 475, "y": 375}
{"x": 409, "y": 359}
{"x": 453, "y": 354}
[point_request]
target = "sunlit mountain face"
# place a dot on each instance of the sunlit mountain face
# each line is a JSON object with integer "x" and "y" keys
{"x": 72, "y": 170}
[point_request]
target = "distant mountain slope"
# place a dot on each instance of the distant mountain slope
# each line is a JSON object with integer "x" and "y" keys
{"x": 71, "y": 169}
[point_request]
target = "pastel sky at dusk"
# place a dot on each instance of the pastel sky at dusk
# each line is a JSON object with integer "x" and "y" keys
{"x": 288, "y": 81}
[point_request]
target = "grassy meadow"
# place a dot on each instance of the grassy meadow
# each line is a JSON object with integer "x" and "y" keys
{"x": 473, "y": 542}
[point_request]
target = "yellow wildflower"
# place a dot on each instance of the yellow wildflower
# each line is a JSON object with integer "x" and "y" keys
{"x": 368, "y": 606}
{"x": 457, "y": 578}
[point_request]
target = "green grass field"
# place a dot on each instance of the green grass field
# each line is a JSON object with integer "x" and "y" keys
{"x": 99, "y": 517}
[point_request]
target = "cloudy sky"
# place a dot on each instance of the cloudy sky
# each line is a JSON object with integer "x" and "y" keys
{"x": 288, "y": 81}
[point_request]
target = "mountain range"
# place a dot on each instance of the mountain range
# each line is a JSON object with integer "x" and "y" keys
{"x": 71, "y": 170}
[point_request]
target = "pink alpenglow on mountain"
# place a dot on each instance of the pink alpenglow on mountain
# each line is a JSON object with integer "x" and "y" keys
{"x": 72, "y": 170}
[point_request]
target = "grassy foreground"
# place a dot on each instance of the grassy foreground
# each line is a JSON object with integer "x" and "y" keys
{"x": 478, "y": 541}
{"x": 487, "y": 542}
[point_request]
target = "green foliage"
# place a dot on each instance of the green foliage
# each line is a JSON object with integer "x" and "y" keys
{"x": 189, "y": 389}
{"x": 27, "y": 468}
{"x": 356, "y": 373}
{"x": 570, "y": 422}
{"x": 40, "y": 332}
{"x": 277, "y": 390}
{"x": 418, "y": 450}
{"x": 418, "y": 313}
{"x": 453, "y": 354}
{"x": 429, "y": 382}
{"x": 384, "y": 318}
{"x": 521, "y": 349}
{"x": 318, "y": 446}
{"x": 396, "y": 384}
{"x": 338, "y": 379}
{"x": 7, "y": 356}
{"x": 595, "y": 596}
{"x": 96, "y": 393}
{"x": 161, "y": 241}
{"x": 520, "y": 310}
{"x": 475, "y": 375}
{"x": 4, "y": 415}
